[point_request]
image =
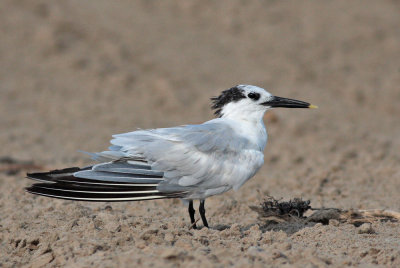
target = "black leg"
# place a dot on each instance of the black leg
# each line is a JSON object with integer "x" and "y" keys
{"x": 202, "y": 211}
{"x": 191, "y": 214}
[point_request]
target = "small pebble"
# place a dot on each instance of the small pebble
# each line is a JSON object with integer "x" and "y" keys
{"x": 366, "y": 228}
{"x": 334, "y": 222}
{"x": 254, "y": 250}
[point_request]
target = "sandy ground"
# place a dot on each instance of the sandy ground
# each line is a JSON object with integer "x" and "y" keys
{"x": 74, "y": 72}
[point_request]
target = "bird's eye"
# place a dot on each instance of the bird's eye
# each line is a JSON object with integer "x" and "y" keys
{"x": 254, "y": 96}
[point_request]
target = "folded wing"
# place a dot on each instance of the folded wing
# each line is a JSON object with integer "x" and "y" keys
{"x": 191, "y": 155}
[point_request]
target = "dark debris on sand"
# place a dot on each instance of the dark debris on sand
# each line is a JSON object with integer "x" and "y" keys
{"x": 296, "y": 207}
{"x": 273, "y": 211}
{"x": 276, "y": 211}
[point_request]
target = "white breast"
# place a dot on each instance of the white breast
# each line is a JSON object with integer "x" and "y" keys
{"x": 249, "y": 160}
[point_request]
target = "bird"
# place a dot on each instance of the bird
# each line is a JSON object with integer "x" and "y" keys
{"x": 190, "y": 162}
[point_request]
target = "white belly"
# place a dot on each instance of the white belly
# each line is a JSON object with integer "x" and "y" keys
{"x": 237, "y": 172}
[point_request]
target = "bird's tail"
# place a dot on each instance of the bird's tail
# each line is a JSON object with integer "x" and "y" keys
{"x": 111, "y": 182}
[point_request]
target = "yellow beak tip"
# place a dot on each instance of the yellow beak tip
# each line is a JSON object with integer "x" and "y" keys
{"x": 313, "y": 106}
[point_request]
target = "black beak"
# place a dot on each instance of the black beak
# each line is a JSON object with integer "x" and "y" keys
{"x": 287, "y": 103}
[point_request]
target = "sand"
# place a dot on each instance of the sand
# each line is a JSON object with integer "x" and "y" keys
{"x": 72, "y": 73}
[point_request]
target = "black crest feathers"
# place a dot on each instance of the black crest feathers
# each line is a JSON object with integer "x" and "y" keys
{"x": 230, "y": 95}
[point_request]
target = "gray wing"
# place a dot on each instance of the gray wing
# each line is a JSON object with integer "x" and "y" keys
{"x": 187, "y": 155}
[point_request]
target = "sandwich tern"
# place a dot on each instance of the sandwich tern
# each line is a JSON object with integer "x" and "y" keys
{"x": 191, "y": 162}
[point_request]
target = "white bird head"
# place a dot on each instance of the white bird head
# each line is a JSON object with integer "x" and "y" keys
{"x": 250, "y": 103}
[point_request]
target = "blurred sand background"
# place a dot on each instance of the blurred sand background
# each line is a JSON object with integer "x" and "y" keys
{"x": 72, "y": 73}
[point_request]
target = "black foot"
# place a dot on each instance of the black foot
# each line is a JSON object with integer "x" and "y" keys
{"x": 202, "y": 211}
{"x": 191, "y": 214}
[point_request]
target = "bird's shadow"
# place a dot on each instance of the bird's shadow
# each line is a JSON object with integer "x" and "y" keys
{"x": 288, "y": 227}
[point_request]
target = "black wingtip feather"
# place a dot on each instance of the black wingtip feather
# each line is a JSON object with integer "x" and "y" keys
{"x": 51, "y": 175}
{"x": 63, "y": 184}
{"x": 63, "y": 193}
